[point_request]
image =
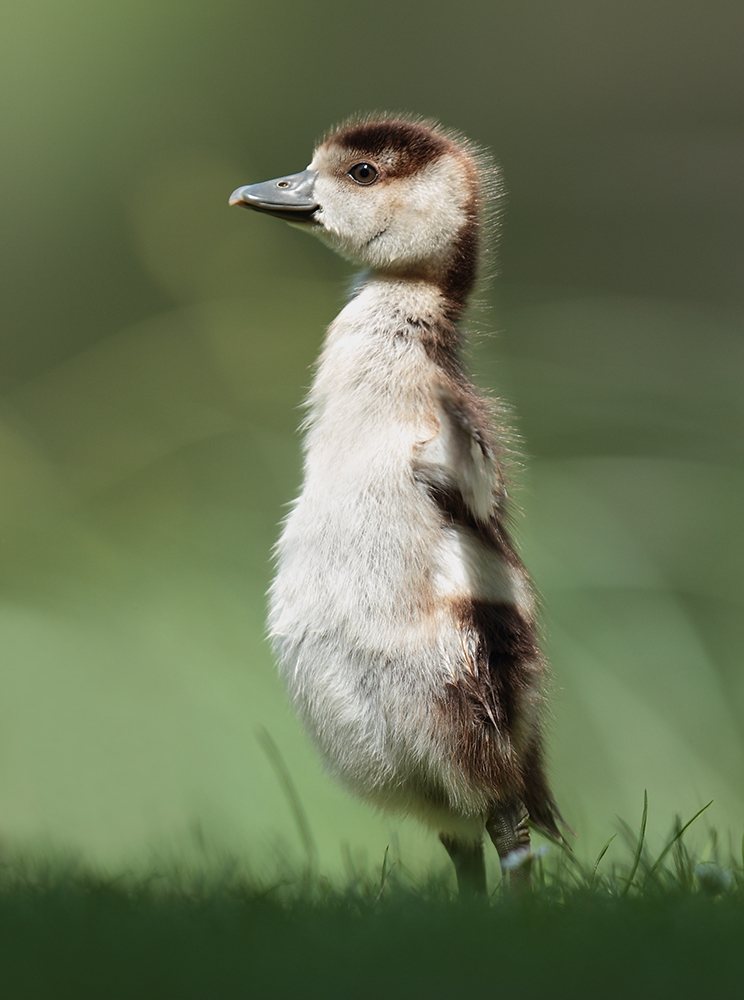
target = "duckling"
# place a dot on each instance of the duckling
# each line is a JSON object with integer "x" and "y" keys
{"x": 401, "y": 616}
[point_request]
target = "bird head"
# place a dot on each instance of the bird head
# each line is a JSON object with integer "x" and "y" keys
{"x": 398, "y": 196}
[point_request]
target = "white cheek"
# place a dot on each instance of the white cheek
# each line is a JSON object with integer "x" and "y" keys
{"x": 430, "y": 213}
{"x": 350, "y": 215}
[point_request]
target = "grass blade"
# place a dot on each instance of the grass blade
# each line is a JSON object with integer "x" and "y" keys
{"x": 673, "y": 841}
{"x": 385, "y": 874}
{"x": 599, "y": 858}
{"x": 285, "y": 779}
{"x": 639, "y": 847}
{"x": 567, "y": 859}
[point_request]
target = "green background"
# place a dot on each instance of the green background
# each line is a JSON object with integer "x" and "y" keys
{"x": 156, "y": 346}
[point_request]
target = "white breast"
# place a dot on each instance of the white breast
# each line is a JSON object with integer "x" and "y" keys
{"x": 360, "y": 609}
{"x": 358, "y": 542}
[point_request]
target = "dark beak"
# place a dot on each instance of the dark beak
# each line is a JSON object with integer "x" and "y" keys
{"x": 289, "y": 198}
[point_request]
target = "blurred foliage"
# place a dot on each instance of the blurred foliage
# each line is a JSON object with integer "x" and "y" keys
{"x": 156, "y": 347}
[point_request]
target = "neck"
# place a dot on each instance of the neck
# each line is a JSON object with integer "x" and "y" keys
{"x": 418, "y": 306}
{"x": 450, "y": 285}
{"x": 383, "y": 356}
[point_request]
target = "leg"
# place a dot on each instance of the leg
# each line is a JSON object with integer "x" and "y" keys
{"x": 507, "y": 828}
{"x": 470, "y": 866}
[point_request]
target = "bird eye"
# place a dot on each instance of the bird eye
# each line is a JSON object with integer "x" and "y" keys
{"x": 363, "y": 173}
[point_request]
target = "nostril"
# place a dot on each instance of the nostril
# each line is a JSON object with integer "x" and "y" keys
{"x": 282, "y": 184}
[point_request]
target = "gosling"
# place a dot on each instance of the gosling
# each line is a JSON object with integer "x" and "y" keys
{"x": 401, "y": 616}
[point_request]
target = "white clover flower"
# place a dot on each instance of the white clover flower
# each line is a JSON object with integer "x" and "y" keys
{"x": 713, "y": 878}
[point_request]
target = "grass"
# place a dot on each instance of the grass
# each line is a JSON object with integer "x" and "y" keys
{"x": 645, "y": 926}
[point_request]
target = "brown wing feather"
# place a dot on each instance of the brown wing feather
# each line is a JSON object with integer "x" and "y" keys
{"x": 492, "y": 706}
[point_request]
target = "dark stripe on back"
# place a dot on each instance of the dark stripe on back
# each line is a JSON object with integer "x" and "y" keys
{"x": 484, "y": 705}
{"x": 455, "y": 512}
{"x": 506, "y": 653}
